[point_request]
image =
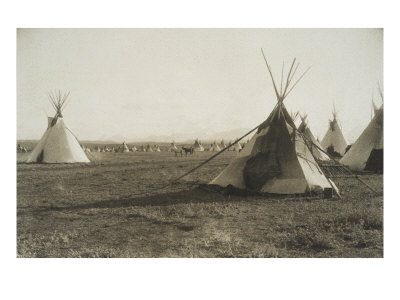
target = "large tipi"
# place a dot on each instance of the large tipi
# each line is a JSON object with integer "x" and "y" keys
{"x": 311, "y": 141}
{"x": 367, "y": 152}
{"x": 276, "y": 159}
{"x": 58, "y": 144}
{"x": 334, "y": 142}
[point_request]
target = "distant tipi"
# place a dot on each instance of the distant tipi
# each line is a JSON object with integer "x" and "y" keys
{"x": 173, "y": 147}
{"x": 367, "y": 152}
{"x": 197, "y": 146}
{"x": 214, "y": 147}
{"x": 58, "y": 144}
{"x": 312, "y": 142}
{"x": 124, "y": 147}
{"x": 334, "y": 142}
{"x": 276, "y": 159}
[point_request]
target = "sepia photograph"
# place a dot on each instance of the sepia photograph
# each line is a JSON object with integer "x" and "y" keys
{"x": 199, "y": 143}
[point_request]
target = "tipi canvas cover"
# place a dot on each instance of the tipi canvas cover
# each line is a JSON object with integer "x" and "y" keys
{"x": 334, "y": 138}
{"x": 58, "y": 144}
{"x": 276, "y": 159}
{"x": 311, "y": 141}
{"x": 367, "y": 152}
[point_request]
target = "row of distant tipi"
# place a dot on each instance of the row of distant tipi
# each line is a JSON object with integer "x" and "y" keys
{"x": 214, "y": 147}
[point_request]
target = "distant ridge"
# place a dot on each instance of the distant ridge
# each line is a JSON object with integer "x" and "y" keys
{"x": 183, "y": 138}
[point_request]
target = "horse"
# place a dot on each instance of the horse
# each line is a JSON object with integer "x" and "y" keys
{"x": 177, "y": 151}
{"x": 188, "y": 150}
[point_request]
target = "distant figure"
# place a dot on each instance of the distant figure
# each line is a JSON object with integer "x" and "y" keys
{"x": 177, "y": 151}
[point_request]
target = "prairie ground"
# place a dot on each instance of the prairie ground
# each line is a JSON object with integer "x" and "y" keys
{"x": 118, "y": 206}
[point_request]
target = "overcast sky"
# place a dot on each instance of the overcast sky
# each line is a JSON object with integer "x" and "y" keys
{"x": 147, "y": 82}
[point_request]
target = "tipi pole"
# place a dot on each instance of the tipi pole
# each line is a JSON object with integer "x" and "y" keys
{"x": 215, "y": 155}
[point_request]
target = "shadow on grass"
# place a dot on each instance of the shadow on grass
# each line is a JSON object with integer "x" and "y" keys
{"x": 194, "y": 195}
{"x": 200, "y": 194}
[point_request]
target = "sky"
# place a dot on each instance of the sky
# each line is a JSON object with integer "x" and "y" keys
{"x": 140, "y": 83}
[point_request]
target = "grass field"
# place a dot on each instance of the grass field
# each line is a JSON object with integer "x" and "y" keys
{"x": 116, "y": 207}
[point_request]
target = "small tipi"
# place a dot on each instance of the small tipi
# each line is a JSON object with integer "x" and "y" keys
{"x": 214, "y": 147}
{"x": 197, "y": 146}
{"x": 311, "y": 141}
{"x": 173, "y": 147}
{"x": 334, "y": 142}
{"x": 237, "y": 147}
{"x": 276, "y": 159}
{"x": 367, "y": 152}
{"x": 124, "y": 147}
{"x": 222, "y": 145}
{"x": 58, "y": 144}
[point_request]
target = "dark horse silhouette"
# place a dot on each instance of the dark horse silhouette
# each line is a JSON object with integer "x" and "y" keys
{"x": 188, "y": 150}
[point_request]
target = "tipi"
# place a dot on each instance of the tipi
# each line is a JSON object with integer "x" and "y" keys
{"x": 237, "y": 147}
{"x": 222, "y": 145}
{"x": 311, "y": 141}
{"x": 58, "y": 144}
{"x": 367, "y": 152}
{"x": 214, "y": 147}
{"x": 276, "y": 159}
{"x": 148, "y": 148}
{"x": 333, "y": 140}
{"x": 173, "y": 147}
{"x": 124, "y": 147}
{"x": 197, "y": 146}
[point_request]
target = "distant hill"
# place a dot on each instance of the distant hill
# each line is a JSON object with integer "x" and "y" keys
{"x": 208, "y": 136}
{"x": 183, "y": 138}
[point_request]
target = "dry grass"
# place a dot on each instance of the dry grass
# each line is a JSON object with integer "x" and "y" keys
{"x": 112, "y": 208}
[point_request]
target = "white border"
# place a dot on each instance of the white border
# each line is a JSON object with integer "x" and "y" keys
{"x": 198, "y": 278}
